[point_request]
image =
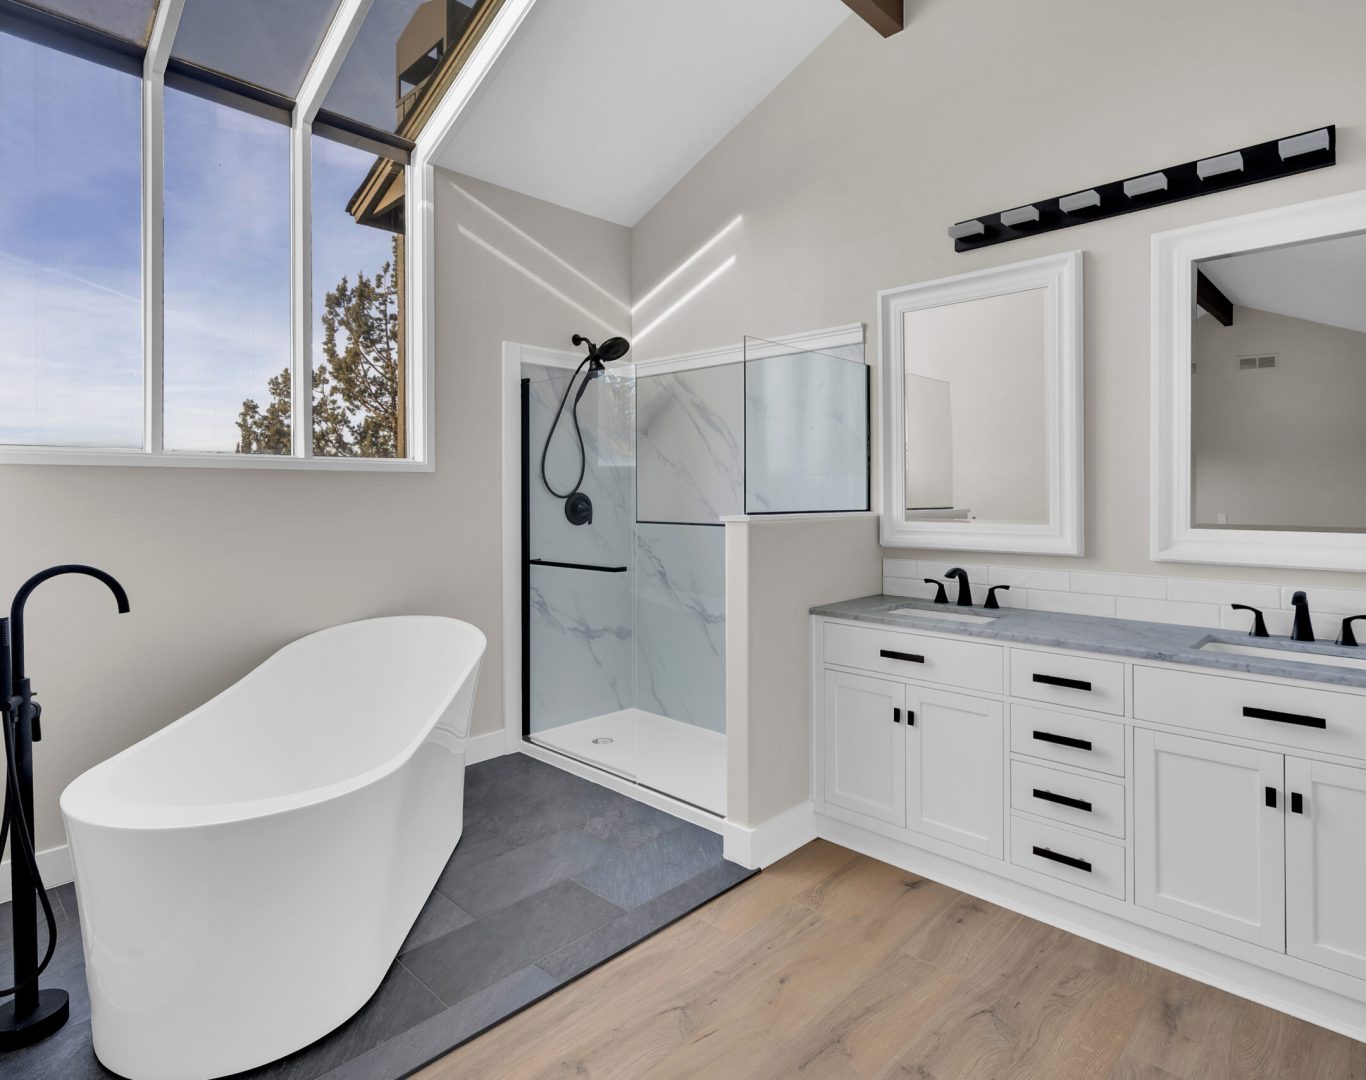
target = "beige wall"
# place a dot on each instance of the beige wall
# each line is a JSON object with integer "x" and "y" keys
{"x": 1257, "y": 435}
{"x": 850, "y": 171}
{"x": 224, "y": 566}
{"x": 777, "y": 569}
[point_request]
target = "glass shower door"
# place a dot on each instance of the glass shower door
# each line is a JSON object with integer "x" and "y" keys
{"x": 578, "y": 632}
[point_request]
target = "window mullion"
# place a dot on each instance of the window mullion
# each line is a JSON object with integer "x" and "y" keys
{"x": 164, "y": 27}
{"x": 301, "y": 278}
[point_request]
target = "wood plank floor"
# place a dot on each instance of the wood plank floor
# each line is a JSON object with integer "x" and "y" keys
{"x": 830, "y": 964}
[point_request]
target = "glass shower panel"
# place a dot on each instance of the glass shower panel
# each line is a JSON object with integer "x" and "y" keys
{"x": 806, "y": 429}
{"x": 580, "y": 609}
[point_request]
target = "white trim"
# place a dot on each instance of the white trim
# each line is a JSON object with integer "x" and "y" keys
{"x": 54, "y": 867}
{"x": 832, "y": 337}
{"x": 301, "y": 288}
{"x": 485, "y": 747}
{"x": 762, "y": 845}
{"x": 649, "y": 796}
{"x": 1060, "y": 276}
{"x": 57, "y": 455}
{"x": 1174, "y": 538}
{"x": 802, "y": 515}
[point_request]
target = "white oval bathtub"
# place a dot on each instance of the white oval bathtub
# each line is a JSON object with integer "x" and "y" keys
{"x": 246, "y": 875}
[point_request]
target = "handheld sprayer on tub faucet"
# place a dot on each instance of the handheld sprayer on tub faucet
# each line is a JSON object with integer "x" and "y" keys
{"x": 32, "y": 1014}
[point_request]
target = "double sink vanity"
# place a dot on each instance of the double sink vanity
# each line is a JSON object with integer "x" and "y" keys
{"x": 1187, "y": 795}
{"x": 1194, "y": 796}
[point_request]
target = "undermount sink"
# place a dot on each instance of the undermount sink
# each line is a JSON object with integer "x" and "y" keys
{"x": 1270, "y": 652}
{"x": 948, "y": 616}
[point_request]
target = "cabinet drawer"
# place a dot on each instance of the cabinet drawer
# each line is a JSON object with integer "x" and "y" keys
{"x": 1065, "y": 737}
{"x": 1068, "y": 680}
{"x": 1087, "y": 861}
{"x": 968, "y": 664}
{"x": 1309, "y": 719}
{"x": 1078, "y": 800}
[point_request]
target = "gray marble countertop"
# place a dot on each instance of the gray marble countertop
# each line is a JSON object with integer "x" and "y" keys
{"x": 1114, "y": 637}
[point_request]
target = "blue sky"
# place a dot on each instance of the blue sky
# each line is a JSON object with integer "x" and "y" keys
{"x": 70, "y": 277}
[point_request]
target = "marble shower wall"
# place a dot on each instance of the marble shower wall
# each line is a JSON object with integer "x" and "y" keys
{"x": 690, "y": 444}
{"x": 582, "y": 623}
{"x": 681, "y": 623}
{"x": 806, "y": 432}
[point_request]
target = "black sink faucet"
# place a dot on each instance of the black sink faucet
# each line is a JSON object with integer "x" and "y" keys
{"x": 1304, "y": 626}
{"x": 964, "y": 588}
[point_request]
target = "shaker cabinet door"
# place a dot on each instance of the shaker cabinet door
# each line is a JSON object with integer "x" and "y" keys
{"x": 865, "y": 757}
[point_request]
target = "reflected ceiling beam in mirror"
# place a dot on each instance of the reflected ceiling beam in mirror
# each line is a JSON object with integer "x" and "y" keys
{"x": 887, "y": 17}
{"x": 1209, "y": 297}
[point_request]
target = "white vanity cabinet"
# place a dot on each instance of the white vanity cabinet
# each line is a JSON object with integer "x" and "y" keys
{"x": 1209, "y": 834}
{"x": 1211, "y": 818}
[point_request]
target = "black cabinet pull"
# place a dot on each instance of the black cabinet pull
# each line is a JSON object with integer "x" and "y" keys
{"x": 910, "y": 718}
{"x": 896, "y": 716}
{"x": 909, "y": 657}
{"x": 1062, "y": 800}
{"x": 1296, "y": 803}
{"x": 1063, "y": 740}
{"x": 1271, "y": 797}
{"x": 1058, "y": 680}
{"x": 1284, "y": 717}
{"x": 1066, "y": 860}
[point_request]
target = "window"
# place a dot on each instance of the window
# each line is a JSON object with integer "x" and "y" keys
{"x": 71, "y": 353}
{"x": 358, "y": 256}
{"x": 227, "y": 285}
{"x": 227, "y": 282}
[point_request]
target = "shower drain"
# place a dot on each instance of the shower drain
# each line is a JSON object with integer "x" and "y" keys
{"x": 602, "y": 740}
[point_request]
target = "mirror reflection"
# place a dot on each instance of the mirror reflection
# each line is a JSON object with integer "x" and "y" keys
{"x": 976, "y": 410}
{"x": 1278, "y": 388}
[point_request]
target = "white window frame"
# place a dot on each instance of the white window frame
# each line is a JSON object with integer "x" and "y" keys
{"x": 420, "y": 329}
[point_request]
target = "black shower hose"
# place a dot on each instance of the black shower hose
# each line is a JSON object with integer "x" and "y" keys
{"x": 23, "y": 848}
{"x": 574, "y": 413}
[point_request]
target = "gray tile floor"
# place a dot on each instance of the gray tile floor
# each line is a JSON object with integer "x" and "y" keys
{"x": 552, "y": 876}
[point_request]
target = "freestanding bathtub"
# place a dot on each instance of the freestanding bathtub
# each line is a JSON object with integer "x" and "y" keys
{"x": 246, "y": 875}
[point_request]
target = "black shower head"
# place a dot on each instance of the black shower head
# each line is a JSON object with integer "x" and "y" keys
{"x": 611, "y": 349}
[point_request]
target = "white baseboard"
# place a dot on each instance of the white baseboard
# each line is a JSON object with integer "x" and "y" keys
{"x": 1278, "y": 991}
{"x": 491, "y": 744}
{"x": 54, "y": 866}
{"x": 768, "y": 842}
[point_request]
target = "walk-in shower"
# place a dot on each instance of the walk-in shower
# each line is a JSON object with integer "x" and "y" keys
{"x": 624, "y": 619}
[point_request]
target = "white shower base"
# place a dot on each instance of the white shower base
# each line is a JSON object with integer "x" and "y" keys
{"x": 682, "y": 760}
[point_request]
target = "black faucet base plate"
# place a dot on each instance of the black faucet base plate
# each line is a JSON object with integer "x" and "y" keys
{"x": 16, "y": 1032}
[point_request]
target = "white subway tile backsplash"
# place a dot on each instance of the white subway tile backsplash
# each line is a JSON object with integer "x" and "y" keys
{"x": 1343, "y": 601}
{"x": 936, "y": 568}
{"x": 1168, "y": 611}
{"x": 899, "y": 586}
{"x": 1203, "y": 591}
{"x": 1145, "y": 586}
{"x": 900, "y": 568}
{"x": 1029, "y": 578}
{"x": 1071, "y": 603}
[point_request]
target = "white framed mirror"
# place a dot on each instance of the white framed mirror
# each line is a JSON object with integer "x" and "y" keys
{"x": 981, "y": 379}
{"x": 1259, "y": 388}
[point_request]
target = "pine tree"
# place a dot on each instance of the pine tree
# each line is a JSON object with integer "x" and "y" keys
{"x": 355, "y": 388}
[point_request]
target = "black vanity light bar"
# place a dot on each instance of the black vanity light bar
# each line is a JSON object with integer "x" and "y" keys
{"x": 1315, "y": 149}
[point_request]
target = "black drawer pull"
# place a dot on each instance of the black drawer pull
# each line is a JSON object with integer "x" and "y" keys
{"x": 1284, "y": 717}
{"x": 1296, "y": 802}
{"x": 909, "y": 657}
{"x": 1271, "y": 797}
{"x": 910, "y": 718}
{"x": 1066, "y": 860}
{"x": 1062, "y": 800}
{"x": 1063, "y": 740}
{"x": 896, "y": 716}
{"x": 1058, "y": 680}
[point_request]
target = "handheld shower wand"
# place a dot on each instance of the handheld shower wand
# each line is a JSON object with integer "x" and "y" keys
{"x": 34, "y": 1013}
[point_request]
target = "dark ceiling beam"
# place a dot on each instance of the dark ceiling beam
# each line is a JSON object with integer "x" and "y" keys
{"x": 1208, "y": 296}
{"x": 887, "y": 17}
